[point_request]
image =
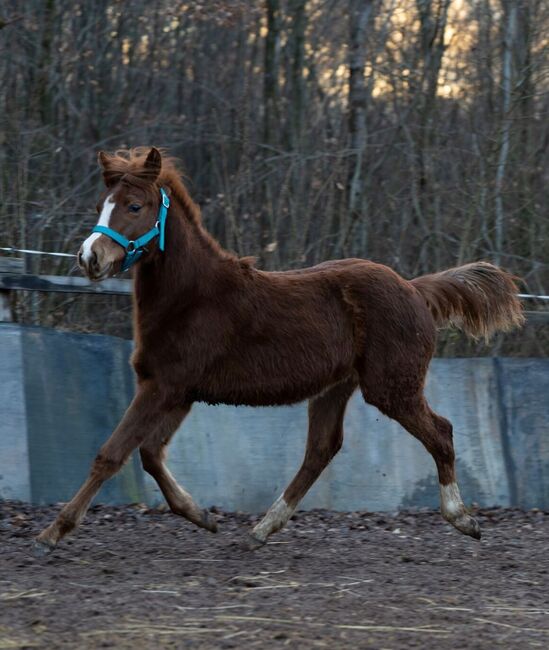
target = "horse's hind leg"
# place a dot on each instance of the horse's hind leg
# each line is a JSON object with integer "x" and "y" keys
{"x": 153, "y": 452}
{"x": 324, "y": 440}
{"x": 435, "y": 432}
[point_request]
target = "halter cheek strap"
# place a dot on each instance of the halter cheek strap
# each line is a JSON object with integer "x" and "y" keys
{"x": 136, "y": 247}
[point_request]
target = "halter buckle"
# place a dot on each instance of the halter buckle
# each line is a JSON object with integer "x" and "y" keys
{"x": 165, "y": 200}
{"x": 130, "y": 247}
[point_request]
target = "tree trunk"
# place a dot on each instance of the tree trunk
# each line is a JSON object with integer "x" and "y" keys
{"x": 506, "y": 99}
{"x": 272, "y": 61}
{"x": 360, "y": 17}
{"x": 296, "y": 41}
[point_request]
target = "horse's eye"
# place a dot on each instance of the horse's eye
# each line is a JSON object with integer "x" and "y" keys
{"x": 134, "y": 207}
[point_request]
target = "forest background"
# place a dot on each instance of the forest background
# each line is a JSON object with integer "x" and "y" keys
{"x": 412, "y": 133}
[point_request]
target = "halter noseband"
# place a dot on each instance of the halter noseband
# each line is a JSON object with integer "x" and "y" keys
{"x": 136, "y": 247}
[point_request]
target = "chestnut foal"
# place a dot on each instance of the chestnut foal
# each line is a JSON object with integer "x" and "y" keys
{"x": 210, "y": 327}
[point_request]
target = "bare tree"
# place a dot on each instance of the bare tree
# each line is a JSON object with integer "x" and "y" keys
{"x": 415, "y": 133}
{"x": 361, "y": 16}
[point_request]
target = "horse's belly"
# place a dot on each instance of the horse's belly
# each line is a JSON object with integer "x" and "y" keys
{"x": 268, "y": 380}
{"x": 249, "y": 396}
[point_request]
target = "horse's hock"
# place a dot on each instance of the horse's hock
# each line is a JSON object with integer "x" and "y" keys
{"x": 62, "y": 394}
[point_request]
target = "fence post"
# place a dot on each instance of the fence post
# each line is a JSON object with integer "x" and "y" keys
{"x": 5, "y": 309}
{"x": 8, "y": 265}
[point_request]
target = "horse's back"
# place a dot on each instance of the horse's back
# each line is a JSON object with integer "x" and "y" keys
{"x": 392, "y": 327}
{"x": 381, "y": 303}
{"x": 330, "y": 268}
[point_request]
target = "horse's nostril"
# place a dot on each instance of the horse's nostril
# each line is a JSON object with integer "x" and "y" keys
{"x": 94, "y": 258}
{"x": 80, "y": 258}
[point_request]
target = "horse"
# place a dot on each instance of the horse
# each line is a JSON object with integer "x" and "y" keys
{"x": 210, "y": 327}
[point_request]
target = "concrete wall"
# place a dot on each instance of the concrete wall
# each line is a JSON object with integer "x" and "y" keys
{"x": 62, "y": 394}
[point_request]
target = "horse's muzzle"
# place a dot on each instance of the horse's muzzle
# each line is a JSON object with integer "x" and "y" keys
{"x": 91, "y": 266}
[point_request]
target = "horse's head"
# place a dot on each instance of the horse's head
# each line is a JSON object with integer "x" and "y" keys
{"x": 130, "y": 215}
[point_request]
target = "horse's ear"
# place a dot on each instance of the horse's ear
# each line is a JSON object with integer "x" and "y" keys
{"x": 152, "y": 166}
{"x": 111, "y": 175}
{"x": 103, "y": 159}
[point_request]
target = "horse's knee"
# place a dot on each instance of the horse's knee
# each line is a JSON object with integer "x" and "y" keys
{"x": 106, "y": 465}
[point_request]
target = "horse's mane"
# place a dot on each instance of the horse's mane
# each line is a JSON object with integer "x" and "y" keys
{"x": 131, "y": 161}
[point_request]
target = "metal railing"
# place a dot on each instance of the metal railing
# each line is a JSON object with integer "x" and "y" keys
{"x": 13, "y": 278}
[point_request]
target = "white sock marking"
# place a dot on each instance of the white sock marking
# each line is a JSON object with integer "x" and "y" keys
{"x": 277, "y": 515}
{"x": 451, "y": 503}
{"x": 104, "y": 219}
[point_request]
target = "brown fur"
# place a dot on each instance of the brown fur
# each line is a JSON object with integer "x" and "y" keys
{"x": 210, "y": 327}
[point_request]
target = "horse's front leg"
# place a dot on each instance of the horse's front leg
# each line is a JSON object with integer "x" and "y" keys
{"x": 145, "y": 413}
{"x": 153, "y": 452}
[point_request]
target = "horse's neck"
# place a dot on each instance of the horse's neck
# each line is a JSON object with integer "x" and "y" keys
{"x": 189, "y": 265}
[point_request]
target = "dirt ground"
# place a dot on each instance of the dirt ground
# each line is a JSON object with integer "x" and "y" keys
{"x": 138, "y": 578}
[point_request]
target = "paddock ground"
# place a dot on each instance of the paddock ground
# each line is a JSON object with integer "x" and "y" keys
{"x": 138, "y": 578}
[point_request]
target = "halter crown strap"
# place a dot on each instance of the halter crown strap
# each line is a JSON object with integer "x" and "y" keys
{"x": 162, "y": 214}
{"x": 136, "y": 247}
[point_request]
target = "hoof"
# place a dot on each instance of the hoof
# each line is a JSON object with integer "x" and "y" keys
{"x": 468, "y": 526}
{"x": 41, "y": 549}
{"x": 208, "y": 521}
{"x": 252, "y": 543}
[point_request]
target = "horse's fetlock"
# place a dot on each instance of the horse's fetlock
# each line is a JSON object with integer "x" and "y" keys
{"x": 66, "y": 521}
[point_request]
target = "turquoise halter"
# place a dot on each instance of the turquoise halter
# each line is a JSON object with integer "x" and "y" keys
{"x": 136, "y": 247}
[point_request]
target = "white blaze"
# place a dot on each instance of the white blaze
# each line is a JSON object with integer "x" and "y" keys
{"x": 104, "y": 218}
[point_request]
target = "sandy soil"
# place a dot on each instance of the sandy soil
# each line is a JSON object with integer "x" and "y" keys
{"x": 138, "y": 578}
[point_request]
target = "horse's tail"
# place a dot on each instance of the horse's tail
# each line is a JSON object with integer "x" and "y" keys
{"x": 478, "y": 298}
